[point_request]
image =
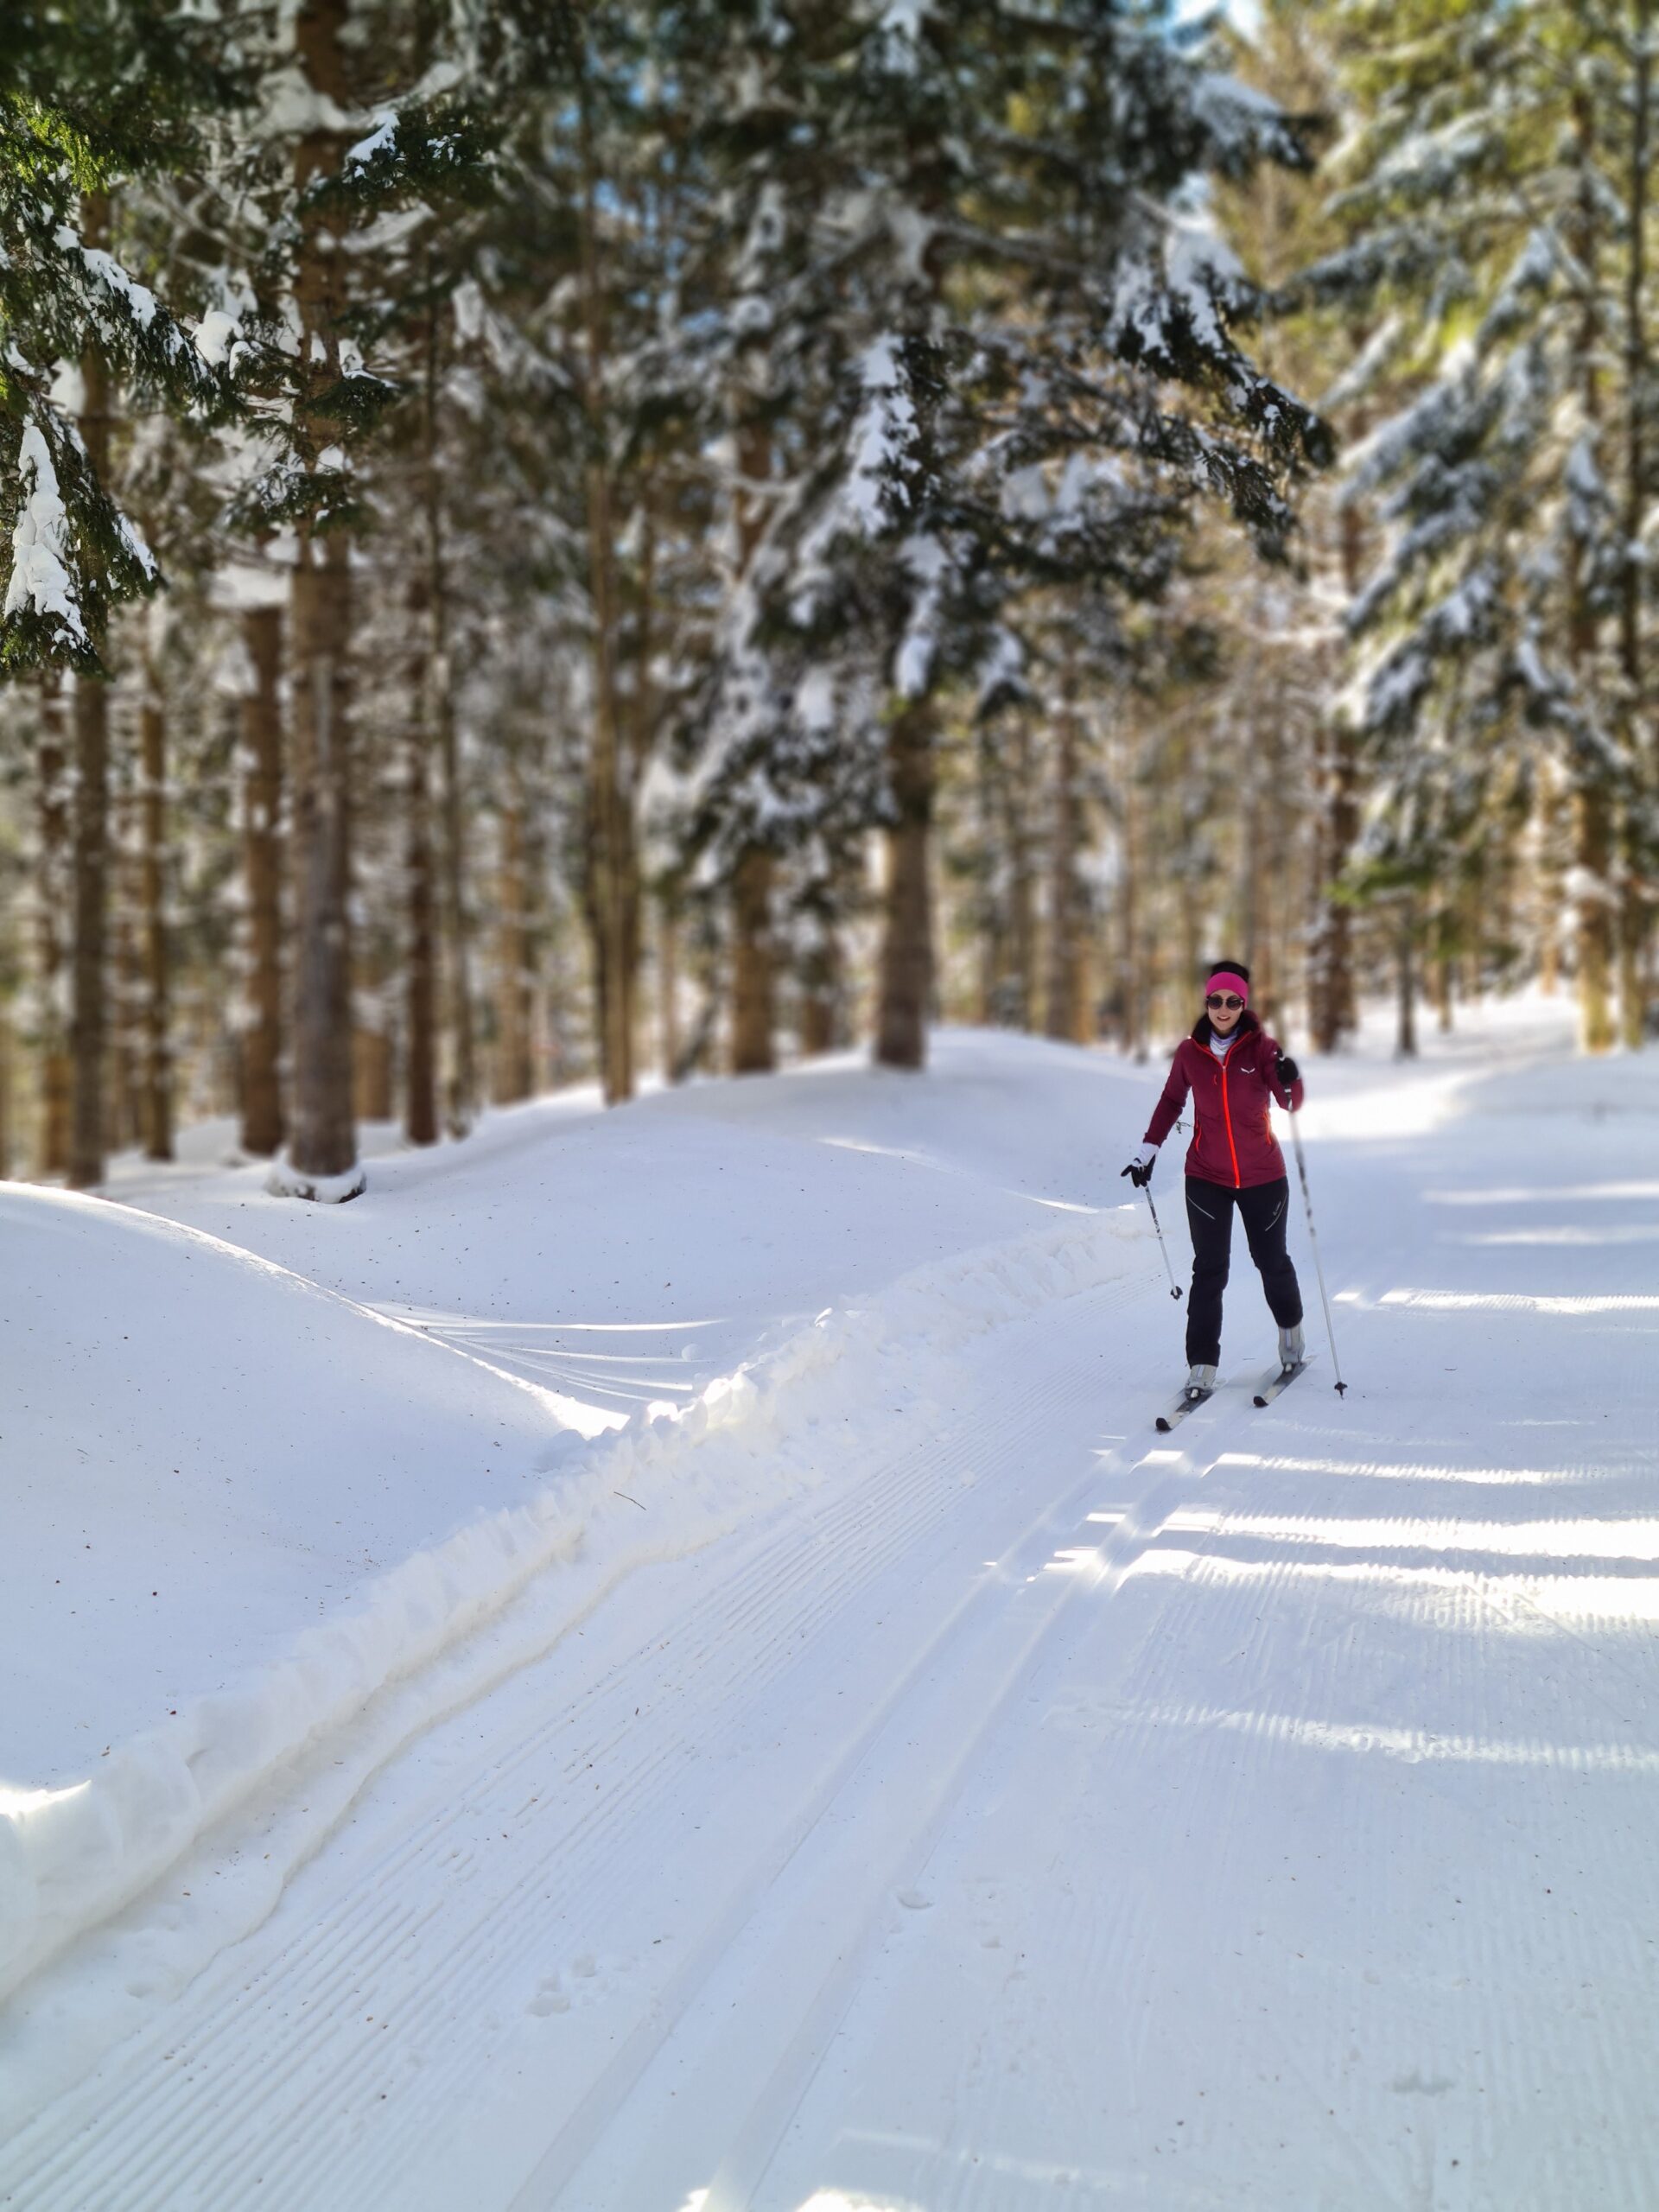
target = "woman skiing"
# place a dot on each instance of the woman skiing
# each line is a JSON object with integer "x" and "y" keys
{"x": 1233, "y": 1069}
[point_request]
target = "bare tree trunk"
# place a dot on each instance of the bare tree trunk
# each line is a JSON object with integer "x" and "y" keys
{"x": 1405, "y": 954}
{"x": 1129, "y": 919}
{"x": 438, "y": 709}
{"x": 1065, "y": 996}
{"x": 1022, "y": 885}
{"x": 907, "y": 960}
{"x": 821, "y": 979}
{"x": 158, "y": 1087}
{"x": 1441, "y": 973}
{"x": 322, "y": 1142}
{"x": 89, "y": 1024}
{"x": 754, "y": 970}
{"x": 6, "y": 1098}
{"x": 262, "y": 743}
{"x": 1332, "y": 1006}
{"x": 613, "y": 863}
{"x": 1632, "y": 916}
{"x": 420, "y": 974}
{"x": 754, "y": 991}
{"x": 668, "y": 988}
{"x": 513, "y": 1074}
{"x": 51, "y": 951}
{"x": 1593, "y": 826}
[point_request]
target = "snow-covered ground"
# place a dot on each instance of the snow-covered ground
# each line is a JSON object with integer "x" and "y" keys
{"x": 679, "y": 1674}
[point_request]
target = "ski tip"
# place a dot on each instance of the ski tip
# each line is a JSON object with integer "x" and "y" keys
{"x": 1259, "y": 1400}
{"x": 1162, "y": 1425}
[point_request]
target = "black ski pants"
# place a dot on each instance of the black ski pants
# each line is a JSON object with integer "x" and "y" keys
{"x": 1264, "y": 1208}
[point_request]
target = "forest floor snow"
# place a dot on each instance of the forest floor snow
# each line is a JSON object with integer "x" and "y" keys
{"x": 892, "y": 1778}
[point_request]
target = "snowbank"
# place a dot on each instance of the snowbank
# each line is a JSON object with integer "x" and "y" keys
{"x": 303, "y": 1409}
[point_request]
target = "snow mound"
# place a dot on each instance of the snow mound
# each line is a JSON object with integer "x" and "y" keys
{"x": 202, "y": 1453}
{"x": 251, "y": 1452}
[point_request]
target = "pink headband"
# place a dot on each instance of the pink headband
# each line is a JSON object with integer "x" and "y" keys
{"x": 1226, "y": 979}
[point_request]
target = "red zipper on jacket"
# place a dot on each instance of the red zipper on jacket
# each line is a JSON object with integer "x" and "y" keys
{"x": 1227, "y": 1116}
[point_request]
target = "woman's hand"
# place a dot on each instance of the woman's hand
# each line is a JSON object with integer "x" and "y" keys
{"x": 1139, "y": 1170}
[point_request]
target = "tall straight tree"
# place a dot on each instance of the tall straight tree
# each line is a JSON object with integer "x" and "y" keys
{"x": 1495, "y": 194}
{"x": 88, "y": 98}
{"x": 989, "y": 277}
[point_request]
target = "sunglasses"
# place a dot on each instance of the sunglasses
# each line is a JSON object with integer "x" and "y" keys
{"x": 1224, "y": 999}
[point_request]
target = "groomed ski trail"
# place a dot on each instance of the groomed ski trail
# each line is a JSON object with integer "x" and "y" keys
{"x": 321, "y": 2063}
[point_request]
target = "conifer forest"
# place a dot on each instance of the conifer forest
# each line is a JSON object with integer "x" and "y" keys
{"x": 600, "y": 540}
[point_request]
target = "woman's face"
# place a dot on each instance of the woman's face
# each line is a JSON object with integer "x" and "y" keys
{"x": 1223, "y": 1008}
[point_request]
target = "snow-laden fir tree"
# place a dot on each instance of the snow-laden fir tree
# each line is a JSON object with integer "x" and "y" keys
{"x": 989, "y": 256}
{"x": 92, "y": 98}
{"x": 1496, "y": 199}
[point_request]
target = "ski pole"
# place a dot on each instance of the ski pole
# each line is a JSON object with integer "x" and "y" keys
{"x": 1312, "y": 1238}
{"x": 1174, "y": 1290}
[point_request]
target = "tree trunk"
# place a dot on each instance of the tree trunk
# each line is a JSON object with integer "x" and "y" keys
{"x": 1333, "y": 1008}
{"x": 821, "y": 970}
{"x": 438, "y": 707}
{"x": 262, "y": 744}
{"x": 1066, "y": 1007}
{"x": 1130, "y": 1035}
{"x": 157, "y": 1084}
{"x": 755, "y": 988}
{"x": 322, "y": 1142}
{"x": 1632, "y": 917}
{"x": 1405, "y": 954}
{"x": 514, "y": 1077}
{"x": 420, "y": 981}
{"x": 612, "y": 860}
{"x": 753, "y": 969}
{"x": 1022, "y": 885}
{"x": 906, "y": 959}
{"x": 52, "y": 1128}
{"x": 6, "y": 1098}
{"x": 89, "y": 1024}
{"x": 88, "y": 1031}
{"x": 668, "y": 988}
{"x": 420, "y": 956}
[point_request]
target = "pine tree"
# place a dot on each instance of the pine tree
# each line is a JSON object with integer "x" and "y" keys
{"x": 956, "y": 193}
{"x": 1495, "y": 200}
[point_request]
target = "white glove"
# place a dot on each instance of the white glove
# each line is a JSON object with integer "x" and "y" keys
{"x": 1139, "y": 1170}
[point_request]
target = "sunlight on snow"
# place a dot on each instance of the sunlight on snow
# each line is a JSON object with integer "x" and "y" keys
{"x": 1411, "y": 1744}
{"x": 1573, "y": 1539}
{"x": 1403, "y": 1109}
{"x": 1543, "y": 1194}
{"x": 1521, "y": 1302}
{"x": 1615, "y": 1233}
{"x": 1409, "y": 1470}
{"x": 1604, "y": 1599}
{"x": 16, "y": 1800}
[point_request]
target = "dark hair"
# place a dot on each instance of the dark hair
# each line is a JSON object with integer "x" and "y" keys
{"x": 1233, "y": 968}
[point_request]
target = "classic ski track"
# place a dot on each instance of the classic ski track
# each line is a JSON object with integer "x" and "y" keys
{"x": 1044, "y": 1645}
{"x": 1242, "y": 1620}
{"x": 151, "y": 2130}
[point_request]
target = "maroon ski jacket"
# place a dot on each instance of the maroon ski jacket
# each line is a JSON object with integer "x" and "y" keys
{"x": 1232, "y": 1141}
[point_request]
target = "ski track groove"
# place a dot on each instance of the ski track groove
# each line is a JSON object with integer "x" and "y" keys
{"x": 146, "y": 2129}
{"x": 756, "y": 2138}
{"x": 619, "y": 1875}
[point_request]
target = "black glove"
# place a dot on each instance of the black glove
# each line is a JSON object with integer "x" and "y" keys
{"x": 1139, "y": 1172}
{"x": 1288, "y": 1070}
